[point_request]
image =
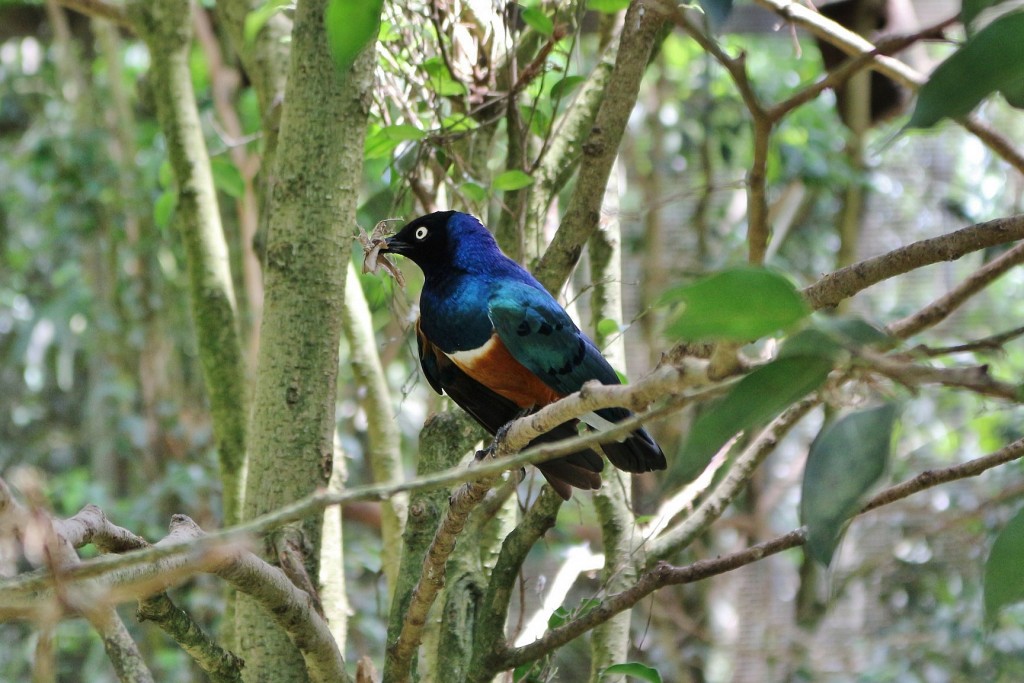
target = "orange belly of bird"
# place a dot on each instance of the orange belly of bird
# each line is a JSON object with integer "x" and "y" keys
{"x": 493, "y": 366}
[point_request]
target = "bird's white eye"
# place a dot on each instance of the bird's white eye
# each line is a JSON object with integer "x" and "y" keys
{"x": 421, "y": 232}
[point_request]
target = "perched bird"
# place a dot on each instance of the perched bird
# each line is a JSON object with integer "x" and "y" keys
{"x": 492, "y": 338}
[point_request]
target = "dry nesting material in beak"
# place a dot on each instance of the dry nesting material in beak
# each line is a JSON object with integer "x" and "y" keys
{"x": 372, "y": 256}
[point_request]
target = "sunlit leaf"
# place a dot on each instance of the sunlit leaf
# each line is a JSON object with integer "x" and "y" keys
{"x": 459, "y": 122}
{"x": 990, "y": 60}
{"x": 607, "y": 6}
{"x": 740, "y": 304}
{"x": 511, "y": 180}
{"x": 756, "y": 399}
{"x": 164, "y": 207}
{"x": 226, "y": 177}
{"x": 538, "y": 21}
{"x": 351, "y": 25}
{"x": 1004, "y": 569}
{"x": 382, "y": 141}
{"x": 258, "y": 18}
{"x": 165, "y": 175}
{"x": 636, "y": 670}
{"x": 845, "y": 460}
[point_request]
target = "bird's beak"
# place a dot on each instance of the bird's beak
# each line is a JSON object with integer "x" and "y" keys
{"x": 393, "y": 245}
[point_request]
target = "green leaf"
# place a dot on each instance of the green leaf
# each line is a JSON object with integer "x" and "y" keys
{"x": 226, "y": 177}
{"x": 853, "y": 331}
{"x": 845, "y": 460}
{"x": 565, "y": 86}
{"x": 607, "y": 327}
{"x": 382, "y": 142}
{"x": 441, "y": 80}
{"x": 970, "y": 9}
{"x": 258, "y": 18}
{"x": 1004, "y": 569}
{"x": 607, "y": 6}
{"x": 717, "y": 11}
{"x": 811, "y": 342}
{"x": 473, "y": 192}
{"x": 459, "y": 122}
{"x": 634, "y": 670}
{"x": 990, "y": 60}
{"x": 741, "y": 304}
{"x": 164, "y": 207}
{"x": 512, "y": 180}
{"x": 755, "y": 400}
{"x": 561, "y": 615}
{"x": 165, "y": 175}
{"x": 351, "y": 25}
{"x": 1014, "y": 94}
{"x": 538, "y": 21}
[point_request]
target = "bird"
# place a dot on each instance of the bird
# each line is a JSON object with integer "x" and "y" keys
{"x": 492, "y": 338}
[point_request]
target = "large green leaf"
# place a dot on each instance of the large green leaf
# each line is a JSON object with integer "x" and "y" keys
{"x": 635, "y": 670}
{"x": 740, "y": 304}
{"x": 755, "y": 400}
{"x": 350, "y": 24}
{"x": 845, "y": 460}
{"x": 990, "y": 60}
{"x": 1004, "y": 569}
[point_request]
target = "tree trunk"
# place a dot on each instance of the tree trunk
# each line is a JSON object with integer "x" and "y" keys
{"x": 313, "y": 203}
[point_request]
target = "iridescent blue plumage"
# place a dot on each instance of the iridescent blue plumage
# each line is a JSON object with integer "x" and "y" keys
{"x": 498, "y": 343}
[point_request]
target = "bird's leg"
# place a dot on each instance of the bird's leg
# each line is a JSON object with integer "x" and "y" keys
{"x": 500, "y": 435}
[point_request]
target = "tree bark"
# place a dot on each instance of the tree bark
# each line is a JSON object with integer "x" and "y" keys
{"x": 211, "y": 292}
{"x": 312, "y": 217}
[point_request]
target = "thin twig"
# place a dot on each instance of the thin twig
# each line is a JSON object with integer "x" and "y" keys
{"x": 942, "y": 307}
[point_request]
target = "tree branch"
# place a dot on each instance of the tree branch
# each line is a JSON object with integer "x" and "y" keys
{"x": 581, "y": 217}
{"x": 674, "y": 539}
{"x": 853, "y": 44}
{"x": 942, "y": 307}
{"x": 975, "y": 378}
{"x": 845, "y": 282}
{"x": 432, "y": 577}
{"x": 663, "y": 574}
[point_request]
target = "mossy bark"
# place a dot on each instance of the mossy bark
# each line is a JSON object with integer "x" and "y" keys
{"x": 312, "y": 217}
{"x": 211, "y": 292}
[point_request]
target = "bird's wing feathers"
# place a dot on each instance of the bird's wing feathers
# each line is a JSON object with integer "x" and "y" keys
{"x": 541, "y": 335}
{"x": 492, "y": 411}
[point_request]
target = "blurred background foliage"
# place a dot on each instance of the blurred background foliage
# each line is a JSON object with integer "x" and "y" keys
{"x": 102, "y": 392}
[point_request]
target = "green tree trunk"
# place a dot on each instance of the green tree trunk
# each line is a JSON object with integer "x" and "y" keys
{"x": 313, "y": 202}
{"x": 198, "y": 218}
